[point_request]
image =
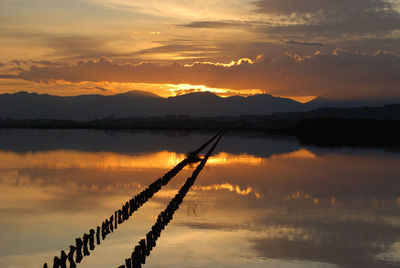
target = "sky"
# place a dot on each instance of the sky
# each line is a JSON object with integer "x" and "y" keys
{"x": 293, "y": 48}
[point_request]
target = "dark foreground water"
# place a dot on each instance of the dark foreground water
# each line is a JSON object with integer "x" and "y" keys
{"x": 260, "y": 201}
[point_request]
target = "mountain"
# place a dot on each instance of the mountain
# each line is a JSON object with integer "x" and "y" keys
{"x": 355, "y": 98}
{"x": 321, "y": 102}
{"x": 23, "y": 105}
{"x": 138, "y": 94}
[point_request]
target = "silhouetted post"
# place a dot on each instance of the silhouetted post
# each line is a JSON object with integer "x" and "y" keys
{"x": 153, "y": 239}
{"x": 131, "y": 206}
{"x": 56, "y": 262}
{"x": 128, "y": 263}
{"x": 119, "y": 216}
{"x": 136, "y": 203}
{"x": 79, "y": 256}
{"x": 106, "y": 228}
{"x": 133, "y": 258}
{"x": 91, "y": 239}
{"x": 148, "y": 243}
{"x": 122, "y": 266}
{"x": 126, "y": 211}
{"x": 63, "y": 260}
{"x": 123, "y": 213}
{"x": 72, "y": 250}
{"x": 115, "y": 219}
{"x": 98, "y": 236}
{"x": 137, "y": 262}
{"x": 85, "y": 245}
{"x": 103, "y": 230}
{"x": 111, "y": 223}
{"x": 142, "y": 244}
{"x": 45, "y": 265}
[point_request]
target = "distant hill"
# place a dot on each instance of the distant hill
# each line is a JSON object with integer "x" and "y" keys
{"x": 343, "y": 103}
{"x": 387, "y": 112}
{"x": 23, "y": 105}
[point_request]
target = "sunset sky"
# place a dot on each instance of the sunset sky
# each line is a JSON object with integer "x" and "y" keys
{"x": 292, "y": 48}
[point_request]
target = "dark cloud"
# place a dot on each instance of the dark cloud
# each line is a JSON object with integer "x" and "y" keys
{"x": 293, "y": 42}
{"x": 287, "y": 7}
{"x": 101, "y": 89}
{"x": 332, "y": 17}
{"x": 318, "y": 18}
{"x": 285, "y": 75}
{"x": 18, "y": 62}
{"x": 371, "y": 44}
{"x": 18, "y": 69}
{"x": 47, "y": 63}
{"x": 186, "y": 91}
{"x": 216, "y": 24}
{"x": 183, "y": 49}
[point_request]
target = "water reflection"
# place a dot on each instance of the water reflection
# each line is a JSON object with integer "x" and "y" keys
{"x": 144, "y": 247}
{"x": 227, "y": 186}
{"x": 262, "y": 202}
{"x": 62, "y": 159}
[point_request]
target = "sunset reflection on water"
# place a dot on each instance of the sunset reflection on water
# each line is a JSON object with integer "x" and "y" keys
{"x": 63, "y": 159}
{"x": 260, "y": 202}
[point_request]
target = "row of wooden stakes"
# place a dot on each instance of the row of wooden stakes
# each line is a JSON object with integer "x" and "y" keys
{"x": 84, "y": 245}
{"x": 143, "y": 248}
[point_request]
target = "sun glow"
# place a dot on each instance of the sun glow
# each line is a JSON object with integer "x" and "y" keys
{"x": 232, "y": 63}
{"x": 181, "y": 89}
{"x": 64, "y": 159}
{"x": 302, "y": 99}
{"x": 302, "y": 153}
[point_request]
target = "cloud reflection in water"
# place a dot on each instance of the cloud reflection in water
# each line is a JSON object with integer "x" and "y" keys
{"x": 316, "y": 207}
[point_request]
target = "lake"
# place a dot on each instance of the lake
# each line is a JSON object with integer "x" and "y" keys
{"x": 261, "y": 201}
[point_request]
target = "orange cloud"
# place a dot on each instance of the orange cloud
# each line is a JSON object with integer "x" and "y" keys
{"x": 289, "y": 75}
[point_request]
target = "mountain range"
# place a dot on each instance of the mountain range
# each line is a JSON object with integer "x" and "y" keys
{"x": 23, "y": 105}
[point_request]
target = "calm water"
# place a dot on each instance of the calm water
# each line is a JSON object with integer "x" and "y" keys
{"x": 260, "y": 202}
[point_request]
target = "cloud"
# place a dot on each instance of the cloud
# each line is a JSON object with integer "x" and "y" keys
{"x": 288, "y": 74}
{"x": 63, "y": 44}
{"x": 78, "y": 46}
{"x": 183, "y": 49}
{"x": 353, "y": 242}
{"x": 316, "y": 18}
{"x": 331, "y": 17}
{"x": 287, "y": 7}
{"x": 215, "y": 24}
{"x": 293, "y": 42}
{"x": 101, "y": 89}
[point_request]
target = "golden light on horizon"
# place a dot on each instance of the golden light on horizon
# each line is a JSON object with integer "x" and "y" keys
{"x": 302, "y": 99}
{"x": 181, "y": 89}
{"x": 65, "y": 159}
{"x": 66, "y": 88}
{"x": 302, "y": 153}
{"x": 232, "y": 159}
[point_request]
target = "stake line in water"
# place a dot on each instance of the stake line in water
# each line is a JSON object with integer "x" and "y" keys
{"x": 85, "y": 245}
